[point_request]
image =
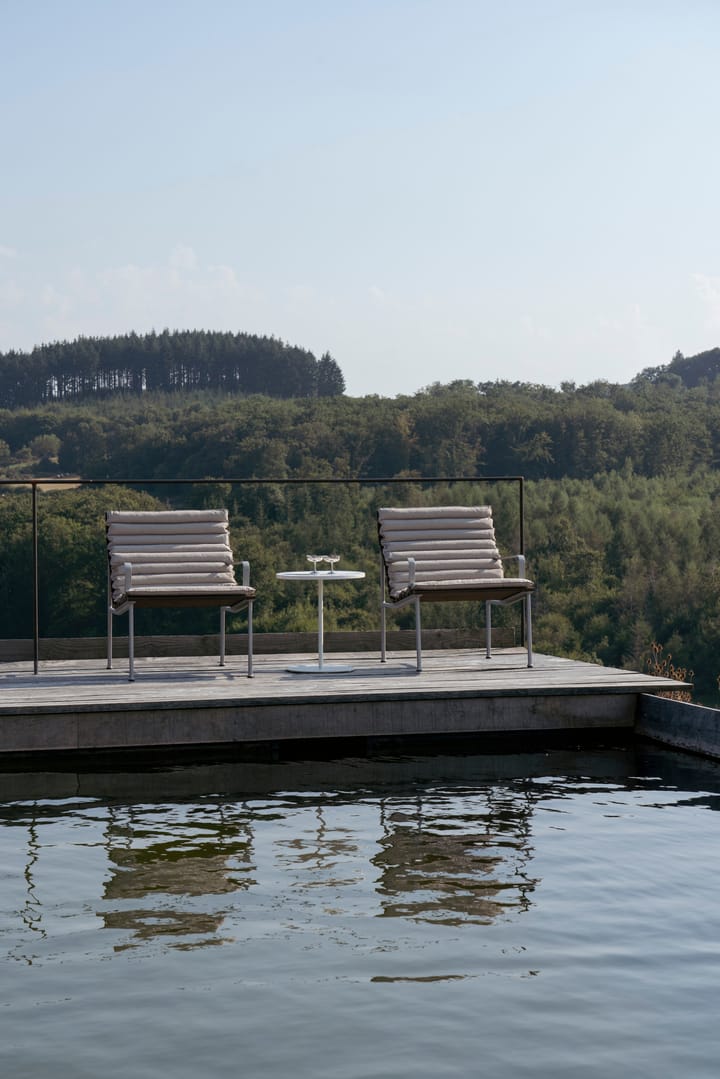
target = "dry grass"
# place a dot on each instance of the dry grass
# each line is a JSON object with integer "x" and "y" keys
{"x": 663, "y": 667}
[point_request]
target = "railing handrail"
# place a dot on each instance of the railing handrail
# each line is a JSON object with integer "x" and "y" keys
{"x": 369, "y": 481}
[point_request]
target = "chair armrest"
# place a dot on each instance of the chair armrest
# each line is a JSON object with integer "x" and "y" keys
{"x": 520, "y": 559}
{"x": 127, "y": 575}
{"x": 245, "y": 574}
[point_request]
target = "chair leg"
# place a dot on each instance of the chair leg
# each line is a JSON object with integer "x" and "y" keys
{"x": 418, "y": 634}
{"x": 131, "y": 641}
{"x": 109, "y": 638}
{"x": 222, "y": 636}
{"x": 250, "y": 641}
{"x": 488, "y": 630}
{"x": 383, "y": 627}
{"x": 528, "y": 628}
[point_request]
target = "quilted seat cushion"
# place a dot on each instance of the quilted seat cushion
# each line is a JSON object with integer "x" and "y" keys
{"x": 454, "y": 548}
{"x": 184, "y": 553}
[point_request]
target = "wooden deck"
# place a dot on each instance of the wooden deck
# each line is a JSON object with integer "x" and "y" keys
{"x": 78, "y": 705}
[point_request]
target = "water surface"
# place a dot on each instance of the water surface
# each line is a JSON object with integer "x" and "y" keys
{"x": 545, "y": 914}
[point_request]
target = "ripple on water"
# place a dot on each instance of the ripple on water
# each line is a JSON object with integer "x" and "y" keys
{"x": 547, "y": 914}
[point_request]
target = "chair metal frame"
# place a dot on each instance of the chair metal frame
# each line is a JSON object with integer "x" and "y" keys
{"x": 453, "y": 591}
{"x": 195, "y": 597}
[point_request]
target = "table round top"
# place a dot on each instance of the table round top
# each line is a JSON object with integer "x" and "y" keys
{"x": 320, "y": 575}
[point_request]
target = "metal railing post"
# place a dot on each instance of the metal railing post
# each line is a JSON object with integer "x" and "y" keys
{"x": 36, "y": 588}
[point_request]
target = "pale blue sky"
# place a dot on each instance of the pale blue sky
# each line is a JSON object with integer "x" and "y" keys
{"x": 428, "y": 189}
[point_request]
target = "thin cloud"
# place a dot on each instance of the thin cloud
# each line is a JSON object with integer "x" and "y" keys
{"x": 709, "y": 291}
{"x": 181, "y": 293}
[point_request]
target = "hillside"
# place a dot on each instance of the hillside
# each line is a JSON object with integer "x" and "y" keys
{"x": 654, "y": 425}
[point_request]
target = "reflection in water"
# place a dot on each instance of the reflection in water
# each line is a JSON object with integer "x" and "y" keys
{"x": 175, "y": 872}
{"x": 450, "y": 862}
{"x": 551, "y": 914}
{"x": 321, "y": 855}
{"x": 169, "y": 863}
{"x": 450, "y": 857}
{"x": 31, "y": 912}
{"x": 431, "y": 841}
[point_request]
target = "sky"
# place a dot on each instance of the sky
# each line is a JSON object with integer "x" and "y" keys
{"x": 428, "y": 190}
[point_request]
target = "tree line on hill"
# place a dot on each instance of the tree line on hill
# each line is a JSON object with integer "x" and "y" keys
{"x": 93, "y": 367}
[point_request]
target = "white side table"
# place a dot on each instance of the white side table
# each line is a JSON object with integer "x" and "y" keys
{"x": 320, "y": 577}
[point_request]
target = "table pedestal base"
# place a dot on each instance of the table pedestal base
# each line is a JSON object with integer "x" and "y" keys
{"x": 315, "y": 668}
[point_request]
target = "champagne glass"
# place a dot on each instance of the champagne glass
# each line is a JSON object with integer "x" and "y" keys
{"x": 314, "y": 558}
{"x": 332, "y": 559}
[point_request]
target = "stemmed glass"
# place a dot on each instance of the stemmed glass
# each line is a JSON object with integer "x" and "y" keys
{"x": 314, "y": 558}
{"x": 332, "y": 559}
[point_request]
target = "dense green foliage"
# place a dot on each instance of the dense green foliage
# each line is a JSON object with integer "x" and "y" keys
{"x": 93, "y": 367}
{"x": 688, "y": 371}
{"x": 622, "y": 528}
{"x": 461, "y": 429}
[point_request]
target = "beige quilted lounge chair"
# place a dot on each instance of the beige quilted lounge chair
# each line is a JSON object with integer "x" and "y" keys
{"x": 434, "y": 554}
{"x": 173, "y": 558}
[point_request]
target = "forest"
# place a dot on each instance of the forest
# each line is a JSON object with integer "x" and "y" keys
{"x": 621, "y": 493}
{"x": 93, "y": 367}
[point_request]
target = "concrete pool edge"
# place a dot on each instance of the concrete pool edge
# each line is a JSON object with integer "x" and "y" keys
{"x": 694, "y": 728}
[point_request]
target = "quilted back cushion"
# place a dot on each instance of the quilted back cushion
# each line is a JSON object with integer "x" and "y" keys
{"x": 170, "y": 549}
{"x": 448, "y": 543}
